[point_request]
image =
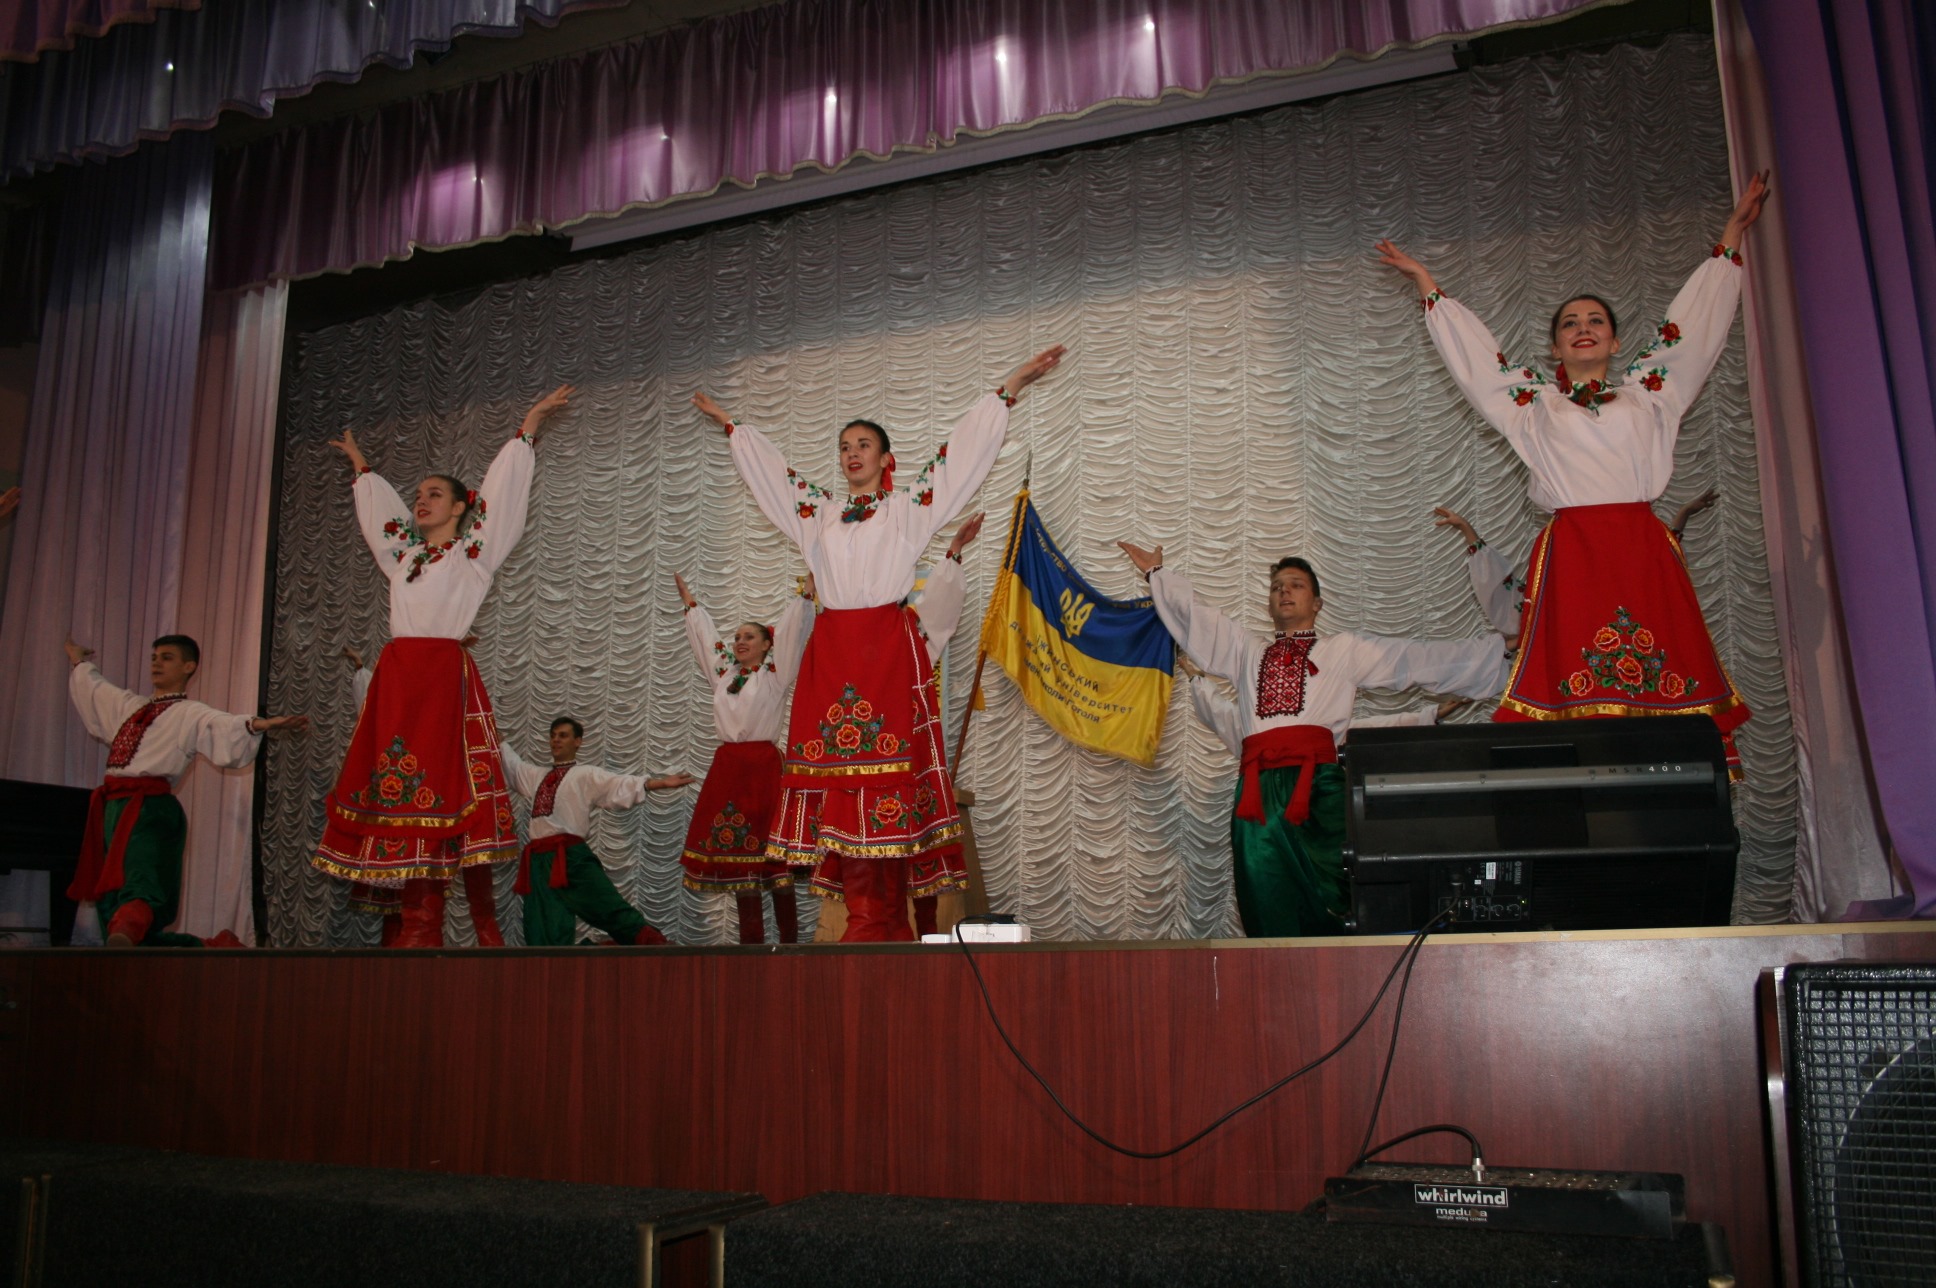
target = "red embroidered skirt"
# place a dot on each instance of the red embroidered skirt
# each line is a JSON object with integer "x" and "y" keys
{"x": 865, "y": 776}
{"x": 422, "y": 790}
{"x": 1611, "y": 626}
{"x": 726, "y": 841}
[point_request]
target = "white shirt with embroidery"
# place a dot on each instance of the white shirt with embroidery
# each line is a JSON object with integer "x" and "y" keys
{"x": 185, "y": 730}
{"x": 1499, "y": 590}
{"x": 583, "y": 789}
{"x": 1220, "y": 715}
{"x": 1346, "y": 662}
{"x": 758, "y": 712}
{"x": 443, "y": 600}
{"x": 872, "y": 562}
{"x": 1622, "y": 450}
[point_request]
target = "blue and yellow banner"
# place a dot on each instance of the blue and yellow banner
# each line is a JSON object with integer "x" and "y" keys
{"x": 1098, "y": 670}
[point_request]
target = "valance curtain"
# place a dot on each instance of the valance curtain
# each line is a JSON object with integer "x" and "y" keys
{"x": 738, "y": 98}
{"x": 1850, "y": 92}
{"x": 29, "y": 28}
{"x": 184, "y": 68}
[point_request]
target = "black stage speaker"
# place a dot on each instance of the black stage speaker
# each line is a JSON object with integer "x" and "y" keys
{"x": 1567, "y": 825}
{"x": 1851, "y": 1062}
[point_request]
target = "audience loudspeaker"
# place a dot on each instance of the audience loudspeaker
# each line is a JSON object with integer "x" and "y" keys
{"x": 1850, "y": 1050}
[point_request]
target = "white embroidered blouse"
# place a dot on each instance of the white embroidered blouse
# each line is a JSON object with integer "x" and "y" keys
{"x": 1345, "y": 662}
{"x": 1621, "y": 448}
{"x": 185, "y": 730}
{"x": 582, "y": 789}
{"x": 758, "y": 711}
{"x": 869, "y": 563}
{"x": 442, "y": 600}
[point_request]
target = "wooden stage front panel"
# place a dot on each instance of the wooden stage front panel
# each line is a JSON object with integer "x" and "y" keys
{"x": 794, "y": 1070}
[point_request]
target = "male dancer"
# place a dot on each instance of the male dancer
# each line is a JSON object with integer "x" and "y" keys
{"x": 131, "y": 854}
{"x": 1287, "y": 831}
{"x": 570, "y": 882}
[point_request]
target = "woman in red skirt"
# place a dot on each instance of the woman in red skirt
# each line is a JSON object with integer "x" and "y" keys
{"x": 1611, "y": 626}
{"x": 865, "y": 796}
{"x": 421, "y": 796}
{"x": 726, "y": 841}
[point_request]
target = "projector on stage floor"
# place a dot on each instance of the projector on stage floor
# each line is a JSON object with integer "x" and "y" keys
{"x": 1000, "y": 932}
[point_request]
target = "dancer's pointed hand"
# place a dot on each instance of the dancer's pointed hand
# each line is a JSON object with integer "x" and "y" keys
{"x": 1146, "y": 561}
{"x": 347, "y": 446}
{"x": 685, "y": 593}
{"x": 1034, "y": 369}
{"x": 711, "y": 410}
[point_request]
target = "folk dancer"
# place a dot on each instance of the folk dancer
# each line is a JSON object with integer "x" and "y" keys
{"x": 1611, "y": 624}
{"x": 421, "y": 796}
{"x": 1296, "y": 694}
{"x": 865, "y": 795}
{"x": 131, "y": 852}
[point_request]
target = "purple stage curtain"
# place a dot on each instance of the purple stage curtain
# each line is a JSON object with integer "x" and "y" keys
{"x": 28, "y": 28}
{"x": 185, "y": 68}
{"x": 98, "y": 537}
{"x": 1850, "y": 87}
{"x": 738, "y": 98}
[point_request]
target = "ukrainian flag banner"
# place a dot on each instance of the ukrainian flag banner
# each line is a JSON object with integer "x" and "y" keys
{"x": 1098, "y": 670}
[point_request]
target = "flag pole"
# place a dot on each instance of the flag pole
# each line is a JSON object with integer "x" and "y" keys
{"x": 981, "y": 649}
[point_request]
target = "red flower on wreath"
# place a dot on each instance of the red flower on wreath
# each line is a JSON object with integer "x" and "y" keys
{"x": 1670, "y": 333}
{"x": 424, "y": 799}
{"x": 1654, "y": 379}
{"x": 480, "y": 770}
{"x": 1643, "y": 639}
{"x": 926, "y": 497}
{"x": 805, "y": 508}
{"x": 1627, "y": 656}
{"x": 887, "y": 744}
{"x": 862, "y": 710}
{"x": 391, "y": 788}
{"x": 847, "y": 737}
{"x": 473, "y": 551}
{"x": 408, "y": 764}
{"x": 1605, "y": 638}
{"x": 383, "y": 763}
{"x": 392, "y": 528}
{"x": 888, "y": 810}
{"x": 1524, "y": 397}
{"x": 1629, "y": 671}
{"x": 1672, "y": 686}
{"x": 813, "y": 750}
{"x": 1579, "y": 684}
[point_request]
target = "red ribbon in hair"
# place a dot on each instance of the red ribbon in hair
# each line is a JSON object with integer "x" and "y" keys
{"x": 887, "y": 473}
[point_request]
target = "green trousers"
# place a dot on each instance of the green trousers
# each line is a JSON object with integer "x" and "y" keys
{"x": 152, "y": 868}
{"x": 1290, "y": 880}
{"x": 551, "y": 916}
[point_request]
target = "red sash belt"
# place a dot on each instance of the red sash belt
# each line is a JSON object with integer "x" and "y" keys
{"x": 555, "y": 845}
{"x": 100, "y": 870}
{"x": 1305, "y": 746}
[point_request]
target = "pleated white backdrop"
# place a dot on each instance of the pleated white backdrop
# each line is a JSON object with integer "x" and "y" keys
{"x": 1245, "y": 381}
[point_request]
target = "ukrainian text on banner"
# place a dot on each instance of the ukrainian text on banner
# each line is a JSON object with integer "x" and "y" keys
{"x": 1098, "y": 670}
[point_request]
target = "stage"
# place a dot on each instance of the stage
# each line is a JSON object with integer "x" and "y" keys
{"x": 791, "y": 1070}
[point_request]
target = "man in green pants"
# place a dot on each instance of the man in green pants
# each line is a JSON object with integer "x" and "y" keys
{"x": 1295, "y": 693}
{"x": 131, "y": 854}
{"x": 559, "y": 876}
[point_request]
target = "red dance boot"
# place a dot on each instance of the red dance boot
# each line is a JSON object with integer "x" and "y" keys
{"x": 423, "y": 915}
{"x": 223, "y": 939}
{"x": 786, "y": 914}
{"x": 392, "y": 928}
{"x": 926, "y": 909}
{"x": 867, "y": 919}
{"x": 752, "y": 919}
{"x": 648, "y": 937}
{"x": 129, "y": 925}
{"x": 480, "y": 888}
{"x": 894, "y": 901}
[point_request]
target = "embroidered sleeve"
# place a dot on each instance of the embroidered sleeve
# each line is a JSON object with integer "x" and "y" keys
{"x": 703, "y": 639}
{"x": 955, "y": 473}
{"x": 1497, "y": 590}
{"x": 1213, "y": 641}
{"x": 790, "y": 635}
{"x": 385, "y": 520}
{"x": 788, "y": 501}
{"x": 1219, "y": 714}
{"x": 1499, "y": 390}
{"x": 940, "y": 605}
{"x": 104, "y": 707}
{"x": 360, "y": 686}
{"x": 223, "y": 737}
{"x": 1684, "y": 346}
{"x": 1474, "y": 668}
{"x": 503, "y": 500}
{"x": 523, "y": 776}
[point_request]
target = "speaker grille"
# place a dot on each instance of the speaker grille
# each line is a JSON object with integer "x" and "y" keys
{"x": 1861, "y": 1055}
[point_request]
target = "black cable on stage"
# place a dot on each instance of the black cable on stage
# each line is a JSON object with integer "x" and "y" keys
{"x": 1405, "y": 957}
{"x": 1391, "y": 1051}
{"x": 1453, "y": 1128}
